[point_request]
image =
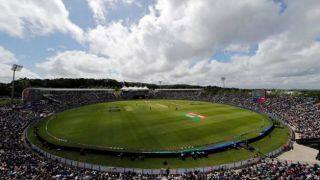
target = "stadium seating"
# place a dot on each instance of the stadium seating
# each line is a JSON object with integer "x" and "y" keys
{"x": 17, "y": 161}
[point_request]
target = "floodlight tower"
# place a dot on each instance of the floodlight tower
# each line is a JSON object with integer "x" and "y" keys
{"x": 223, "y": 79}
{"x": 14, "y": 68}
{"x": 160, "y": 83}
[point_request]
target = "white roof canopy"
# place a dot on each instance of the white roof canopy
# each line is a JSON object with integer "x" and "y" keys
{"x": 134, "y": 88}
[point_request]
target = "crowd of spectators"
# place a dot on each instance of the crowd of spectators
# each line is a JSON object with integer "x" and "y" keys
{"x": 78, "y": 98}
{"x": 17, "y": 161}
{"x": 301, "y": 113}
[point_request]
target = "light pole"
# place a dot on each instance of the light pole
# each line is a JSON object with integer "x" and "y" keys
{"x": 223, "y": 79}
{"x": 14, "y": 68}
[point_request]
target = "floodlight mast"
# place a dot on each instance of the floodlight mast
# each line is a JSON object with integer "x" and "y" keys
{"x": 223, "y": 79}
{"x": 14, "y": 68}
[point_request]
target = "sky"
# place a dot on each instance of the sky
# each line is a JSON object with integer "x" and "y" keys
{"x": 253, "y": 43}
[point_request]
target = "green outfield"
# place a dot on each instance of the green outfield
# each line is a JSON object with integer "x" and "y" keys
{"x": 156, "y": 125}
{"x": 151, "y": 125}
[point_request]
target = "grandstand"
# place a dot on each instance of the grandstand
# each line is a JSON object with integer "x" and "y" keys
{"x": 30, "y": 160}
{"x": 36, "y": 94}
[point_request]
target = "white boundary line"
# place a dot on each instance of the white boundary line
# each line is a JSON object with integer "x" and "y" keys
{"x": 234, "y": 165}
{"x": 56, "y": 138}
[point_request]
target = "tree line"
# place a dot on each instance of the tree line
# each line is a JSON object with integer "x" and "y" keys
{"x": 20, "y": 84}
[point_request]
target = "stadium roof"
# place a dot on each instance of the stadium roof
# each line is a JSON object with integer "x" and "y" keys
{"x": 134, "y": 88}
{"x": 72, "y": 89}
{"x": 178, "y": 89}
{"x": 105, "y": 89}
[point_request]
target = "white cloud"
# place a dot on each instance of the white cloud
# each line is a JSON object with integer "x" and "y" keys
{"x": 174, "y": 43}
{"x": 75, "y": 64}
{"x": 178, "y": 31}
{"x": 19, "y": 18}
{"x": 7, "y": 58}
{"x": 275, "y": 65}
{"x": 100, "y": 8}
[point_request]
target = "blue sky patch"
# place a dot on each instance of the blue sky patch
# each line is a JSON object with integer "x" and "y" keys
{"x": 225, "y": 56}
{"x": 282, "y": 5}
{"x": 80, "y": 14}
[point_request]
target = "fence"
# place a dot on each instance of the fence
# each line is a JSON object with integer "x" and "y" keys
{"x": 97, "y": 167}
{"x": 235, "y": 165}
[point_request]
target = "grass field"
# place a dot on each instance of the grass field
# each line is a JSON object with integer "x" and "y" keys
{"x": 151, "y": 125}
{"x": 6, "y": 101}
